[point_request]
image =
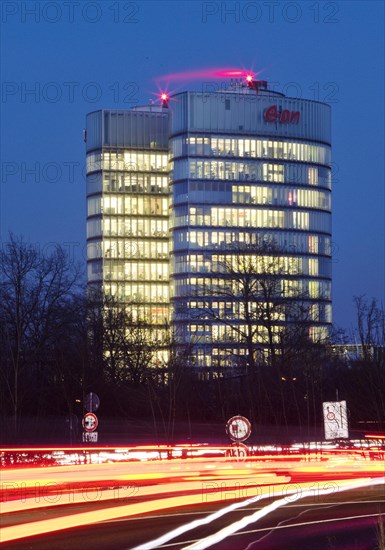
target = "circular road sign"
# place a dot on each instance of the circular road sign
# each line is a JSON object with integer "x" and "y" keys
{"x": 238, "y": 428}
{"x": 90, "y": 422}
{"x": 92, "y": 402}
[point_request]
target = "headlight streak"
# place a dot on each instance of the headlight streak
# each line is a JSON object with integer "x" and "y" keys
{"x": 209, "y": 519}
{"x": 245, "y": 521}
{"x": 197, "y": 523}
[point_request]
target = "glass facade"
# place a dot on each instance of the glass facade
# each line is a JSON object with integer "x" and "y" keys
{"x": 128, "y": 217}
{"x": 244, "y": 200}
{"x": 179, "y": 197}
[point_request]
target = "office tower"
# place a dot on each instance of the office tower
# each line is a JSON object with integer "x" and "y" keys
{"x": 128, "y": 210}
{"x": 249, "y": 181}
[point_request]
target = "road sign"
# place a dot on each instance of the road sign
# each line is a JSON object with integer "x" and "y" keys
{"x": 90, "y": 422}
{"x": 92, "y": 402}
{"x": 335, "y": 419}
{"x": 238, "y": 428}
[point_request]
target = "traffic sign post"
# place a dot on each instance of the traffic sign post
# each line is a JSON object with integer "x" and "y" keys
{"x": 90, "y": 422}
{"x": 238, "y": 428}
{"x": 335, "y": 419}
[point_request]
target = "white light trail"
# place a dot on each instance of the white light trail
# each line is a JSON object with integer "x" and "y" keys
{"x": 240, "y": 524}
{"x": 204, "y": 521}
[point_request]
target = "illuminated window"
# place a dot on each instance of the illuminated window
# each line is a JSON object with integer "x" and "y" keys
{"x": 313, "y": 244}
{"x": 313, "y": 266}
{"x": 314, "y": 289}
{"x": 273, "y": 172}
{"x": 312, "y": 176}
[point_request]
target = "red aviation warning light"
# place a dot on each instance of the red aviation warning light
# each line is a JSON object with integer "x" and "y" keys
{"x": 164, "y": 99}
{"x": 250, "y": 82}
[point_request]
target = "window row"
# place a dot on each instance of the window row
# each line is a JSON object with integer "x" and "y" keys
{"x": 112, "y": 228}
{"x": 212, "y": 333}
{"x": 224, "y": 307}
{"x": 246, "y": 147}
{"x": 128, "y": 161}
{"x": 207, "y": 355}
{"x": 128, "y": 249}
{"x": 225, "y": 357}
{"x": 128, "y": 205}
{"x": 134, "y": 183}
{"x": 217, "y": 333}
{"x": 140, "y": 205}
{"x": 207, "y": 286}
{"x": 140, "y": 293}
{"x": 238, "y": 264}
{"x": 145, "y": 293}
{"x": 287, "y": 287}
{"x": 117, "y": 228}
{"x": 121, "y": 227}
{"x": 217, "y": 170}
{"x": 246, "y": 217}
{"x": 253, "y": 218}
{"x": 305, "y": 198}
{"x": 320, "y": 333}
{"x": 137, "y": 271}
{"x": 250, "y": 171}
{"x": 281, "y": 241}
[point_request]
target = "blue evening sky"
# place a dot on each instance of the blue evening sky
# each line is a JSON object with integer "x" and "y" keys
{"x": 62, "y": 59}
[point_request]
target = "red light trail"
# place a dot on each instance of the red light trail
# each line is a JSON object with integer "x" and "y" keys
{"x": 155, "y": 484}
{"x": 163, "y": 82}
{"x": 213, "y": 73}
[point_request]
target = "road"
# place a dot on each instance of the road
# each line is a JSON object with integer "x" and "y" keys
{"x": 272, "y": 504}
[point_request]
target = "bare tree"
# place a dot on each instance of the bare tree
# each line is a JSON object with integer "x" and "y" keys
{"x": 126, "y": 345}
{"x": 33, "y": 290}
{"x": 264, "y": 297}
{"x": 370, "y": 324}
{"x": 369, "y": 367}
{"x": 262, "y": 307}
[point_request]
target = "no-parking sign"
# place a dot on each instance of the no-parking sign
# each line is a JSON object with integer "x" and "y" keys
{"x": 238, "y": 428}
{"x": 90, "y": 422}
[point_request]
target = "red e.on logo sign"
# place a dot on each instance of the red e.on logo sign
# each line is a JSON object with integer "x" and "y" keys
{"x": 284, "y": 117}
